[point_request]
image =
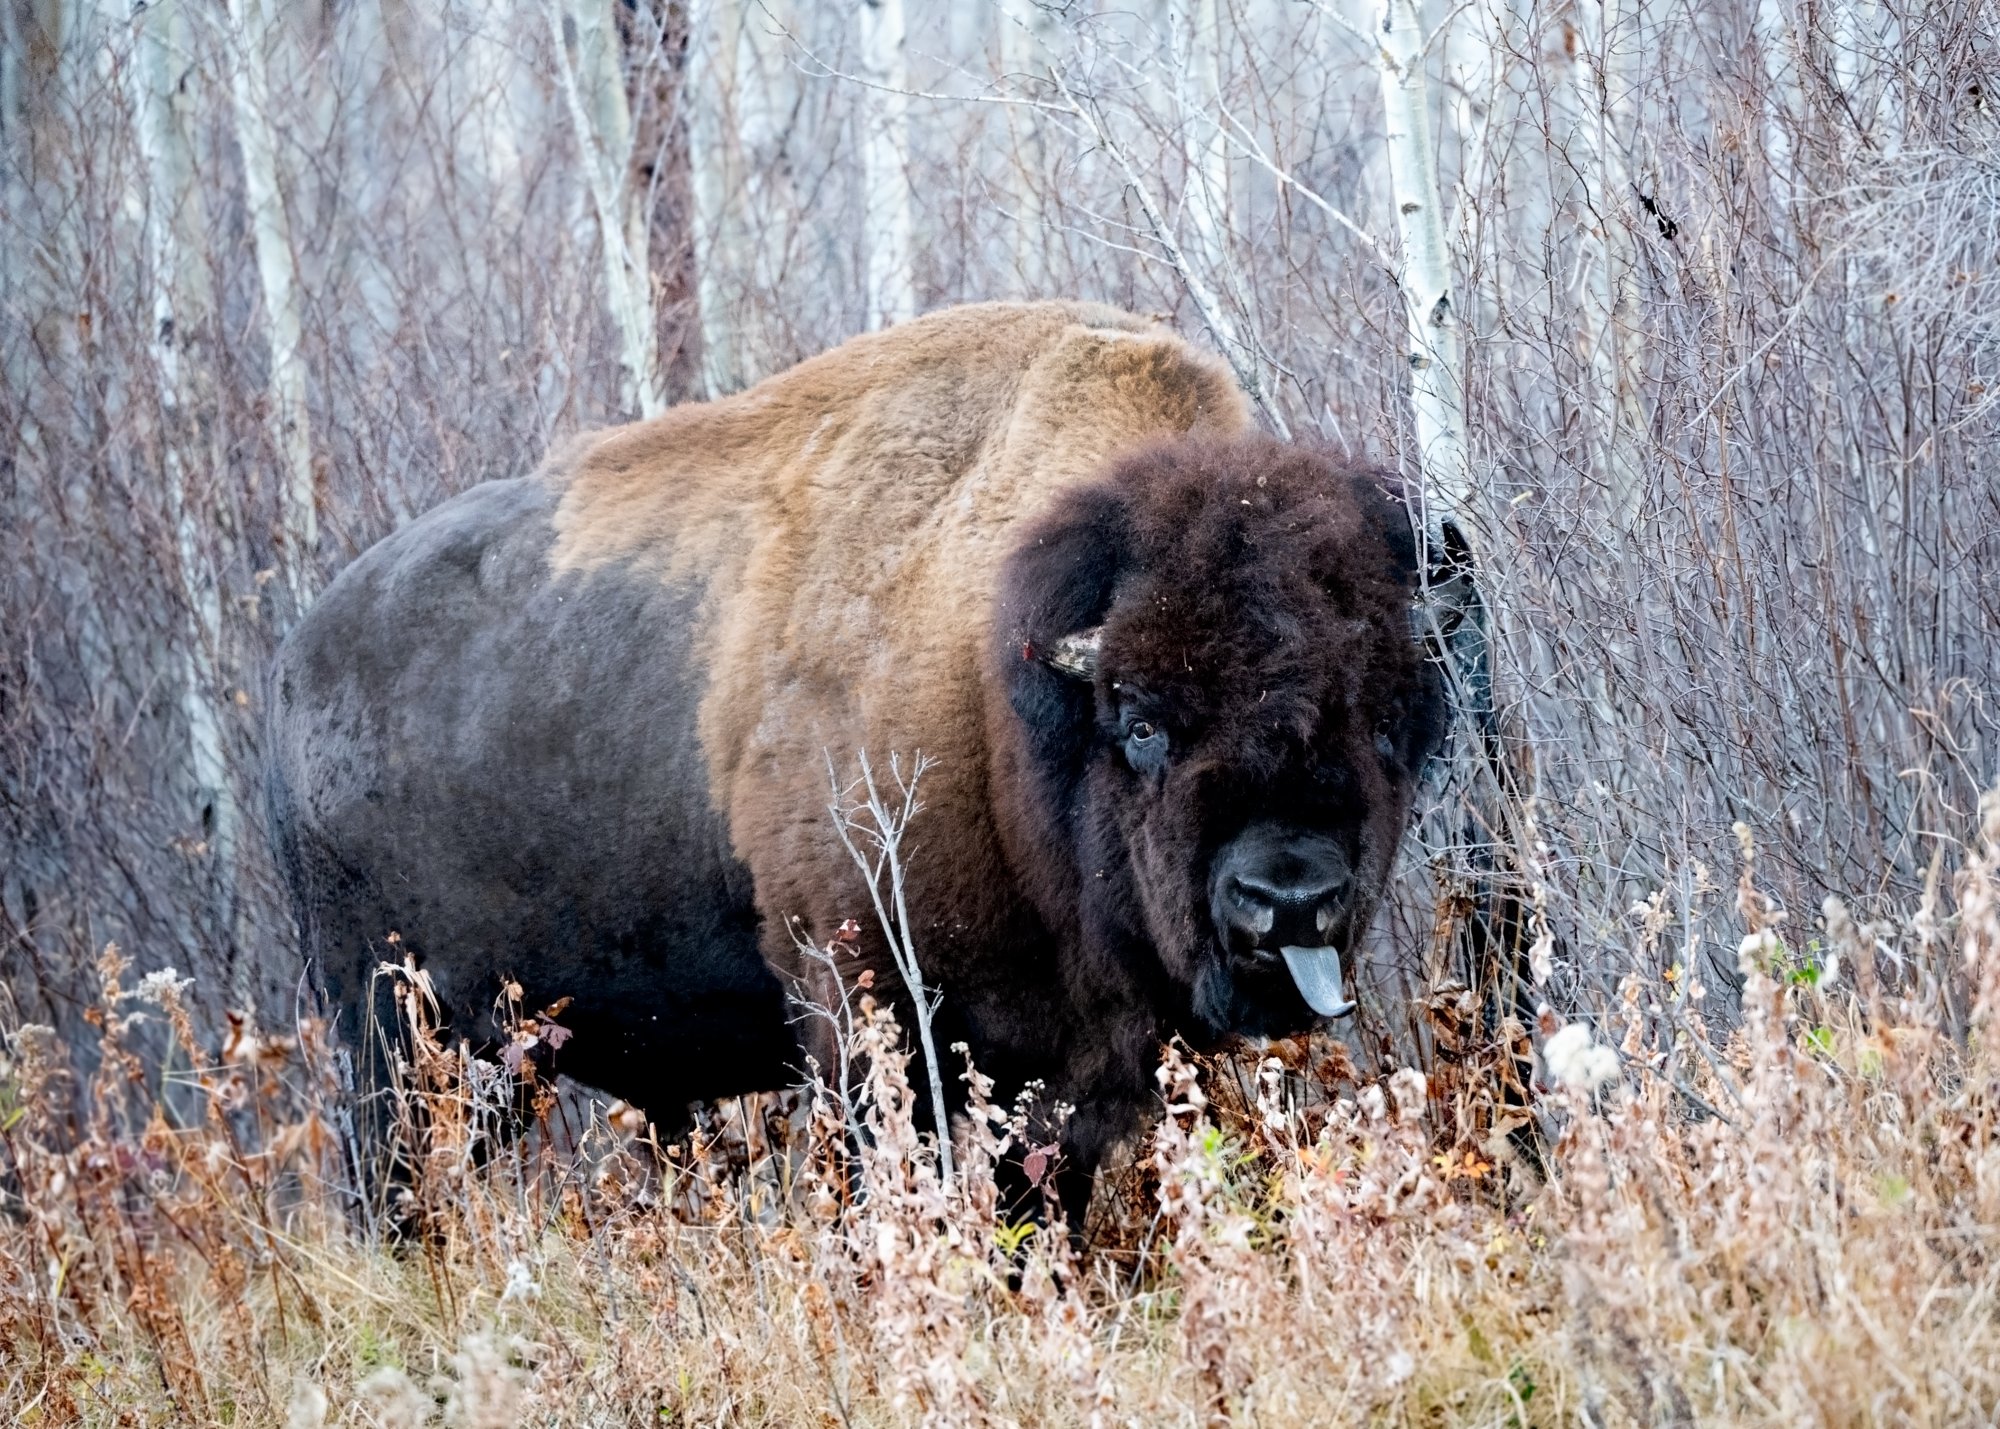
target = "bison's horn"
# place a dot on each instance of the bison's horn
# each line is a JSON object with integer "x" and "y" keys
{"x": 1076, "y": 655}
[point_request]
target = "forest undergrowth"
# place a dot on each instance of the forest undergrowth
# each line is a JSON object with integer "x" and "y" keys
{"x": 1793, "y": 1222}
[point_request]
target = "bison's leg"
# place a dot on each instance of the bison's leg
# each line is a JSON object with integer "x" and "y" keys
{"x": 346, "y": 934}
{"x": 1032, "y": 1185}
{"x": 362, "y": 1001}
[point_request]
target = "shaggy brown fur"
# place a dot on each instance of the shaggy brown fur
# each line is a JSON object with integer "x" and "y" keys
{"x": 848, "y": 519}
{"x": 575, "y": 730}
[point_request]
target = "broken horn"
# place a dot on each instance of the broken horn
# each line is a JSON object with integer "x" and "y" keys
{"x": 1076, "y": 655}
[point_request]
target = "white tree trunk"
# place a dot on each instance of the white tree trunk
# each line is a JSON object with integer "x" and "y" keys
{"x": 1198, "y": 35}
{"x": 489, "y": 69}
{"x": 1437, "y": 393}
{"x": 1601, "y": 88}
{"x": 1195, "y": 55}
{"x": 888, "y": 225}
{"x": 1027, "y": 31}
{"x": 252, "y": 34}
{"x": 1778, "y": 46}
{"x": 767, "y": 200}
{"x": 600, "y": 69}
{"x": 715, "y": 159}
{"x": 593, "y": 88}
{"x": 1859, "y": 34}
{"x": 13, "y": 77}
{"x": 740, "y": 128}
{"x": 166, "y": 194}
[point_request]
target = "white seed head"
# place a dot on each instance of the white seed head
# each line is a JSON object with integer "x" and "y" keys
{"x": 1577, "y": 1062}
{"x": 1754, "y": 953}
{"x": 162, "y": 987}
{"x": 1410, "y": 1090}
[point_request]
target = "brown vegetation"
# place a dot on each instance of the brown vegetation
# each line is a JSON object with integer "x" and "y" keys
{"x": 1794, "y": 1226}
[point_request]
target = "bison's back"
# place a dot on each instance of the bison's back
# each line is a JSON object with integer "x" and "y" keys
{"x": 499, "y": 763}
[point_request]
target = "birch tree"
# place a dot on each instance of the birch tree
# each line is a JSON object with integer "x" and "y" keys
{"x": 591, "y": 77}
{"x": 1027, "y": 30}
{"x": 741, "y": 121}
{"x": 1198, "y": 66}
{"x": 715, "y": 157}
{"x": 1598, "y": 54}
{"x": 487, "y": 70}
{"x": 1437, "y": 396}
{"x": 767, "y": 200}
{"x": 1497, "y": 836}
{"x": 252, "y": 33}
{"x": 13, "y": 74}
{"x": 176, "y": 296}
{"x": 888, "y": 225}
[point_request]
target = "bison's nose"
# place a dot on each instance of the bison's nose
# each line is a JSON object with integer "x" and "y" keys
{"x": 1275, "y": 887}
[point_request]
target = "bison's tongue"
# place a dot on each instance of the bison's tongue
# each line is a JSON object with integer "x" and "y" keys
{"x": 1317, "y": 973}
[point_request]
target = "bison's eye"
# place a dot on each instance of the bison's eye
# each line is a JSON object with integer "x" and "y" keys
{"x": 1145, "y": 746}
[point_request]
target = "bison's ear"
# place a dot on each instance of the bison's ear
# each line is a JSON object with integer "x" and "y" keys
{"x": 1054, "y": 591}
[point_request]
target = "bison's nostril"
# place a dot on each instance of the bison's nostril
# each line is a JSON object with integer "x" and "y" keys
{"x": 1254, "y": 892}
{"x": 1275, "y": 888}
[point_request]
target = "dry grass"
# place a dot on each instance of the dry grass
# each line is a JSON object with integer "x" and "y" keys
{"x": 1795, "y": 1225}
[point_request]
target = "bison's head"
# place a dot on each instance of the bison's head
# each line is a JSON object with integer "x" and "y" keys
{"x": 1216, "y": 715}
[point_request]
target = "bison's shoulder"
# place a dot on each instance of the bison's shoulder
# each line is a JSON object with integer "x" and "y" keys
{"x": 881, "y": 430}
{"x": 892, "y": 478}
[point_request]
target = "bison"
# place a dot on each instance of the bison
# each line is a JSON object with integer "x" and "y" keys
{"x": 573, "y": 729}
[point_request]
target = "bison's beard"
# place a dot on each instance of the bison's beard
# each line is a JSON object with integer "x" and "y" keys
{"x": 1165, "y": 867}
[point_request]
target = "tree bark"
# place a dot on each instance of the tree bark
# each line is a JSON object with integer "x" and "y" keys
{"x": 593, "y": 88}
{"x": 1026, "y": 32}
{"x": 488, "y": 67}
{"x": 1601, "y": 87}
{"x": 1491, "y": 861}
{"x": 176, "y": 296}
{"x": 1206, "y": 155}
{"x": 889, "y": 228}
{"x": 715, "y": 158}
{"x": 1437, "y": 396}
{"x": 252, "y": 32}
